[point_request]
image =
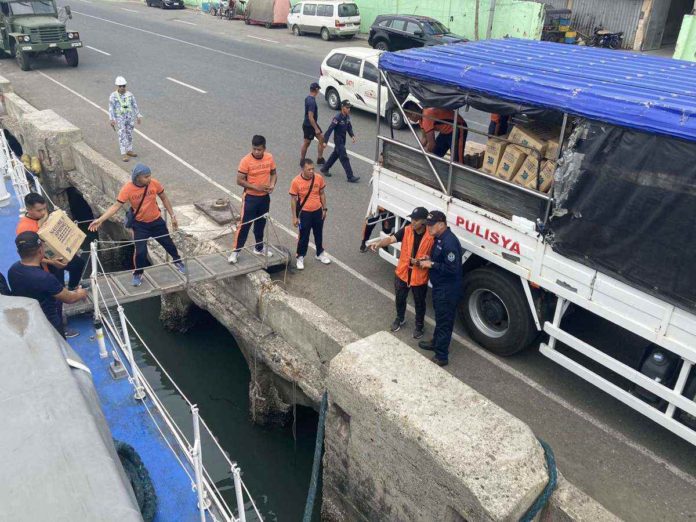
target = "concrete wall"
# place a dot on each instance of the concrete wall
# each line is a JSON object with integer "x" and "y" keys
{"x": 686, "y": 44}
{"x": 518, "y": 18}
{"x": 405, "y": 440}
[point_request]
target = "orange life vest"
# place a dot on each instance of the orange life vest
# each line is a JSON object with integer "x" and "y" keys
{"x": 418, "y": 276}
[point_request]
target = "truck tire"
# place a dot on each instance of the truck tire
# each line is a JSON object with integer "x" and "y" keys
{"x": 71, "y": 57}
{"x": 23, "y": 60}
{"x": 325, "y": 34}
{"x": 495, "y": 311}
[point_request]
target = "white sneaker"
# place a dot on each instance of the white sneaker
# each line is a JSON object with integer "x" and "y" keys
{"x": 234, "y": 257}
{"x": 300, "y": 263}
{"x": 267, "y": 253}
{"x": 324, "y": 258}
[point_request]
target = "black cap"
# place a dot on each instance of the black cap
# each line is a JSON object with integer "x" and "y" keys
{"x": 27, "y": 241}
{"x": 346, "y": 103}
{"x": 419, "y": 213}
{"x": 436, "y": 217}
{"x": 314, "y": 86}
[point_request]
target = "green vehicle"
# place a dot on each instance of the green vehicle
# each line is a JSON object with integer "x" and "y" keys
{"x": 32, "y": 27}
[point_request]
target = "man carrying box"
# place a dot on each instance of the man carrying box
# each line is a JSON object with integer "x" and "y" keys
{"x": 440, "y": 121}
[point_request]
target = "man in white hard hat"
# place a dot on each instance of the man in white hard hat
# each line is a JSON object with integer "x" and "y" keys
{"x": 124, "y": 113}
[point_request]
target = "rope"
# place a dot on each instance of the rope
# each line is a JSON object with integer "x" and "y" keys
{"x": 548, "y": 490}
{"x": 318, "y": 445}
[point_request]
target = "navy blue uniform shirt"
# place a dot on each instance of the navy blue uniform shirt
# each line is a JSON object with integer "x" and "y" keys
{"x": 446, "y": 272}
{"x": 310, "y": 105}
{"x": 341, "y": 124}
{"x": 34, "y": 282}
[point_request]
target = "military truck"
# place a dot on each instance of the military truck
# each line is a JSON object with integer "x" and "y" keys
{"x": 32, "y": 27}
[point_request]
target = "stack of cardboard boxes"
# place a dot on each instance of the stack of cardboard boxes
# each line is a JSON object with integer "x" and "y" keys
{"x": 517, "y": 159}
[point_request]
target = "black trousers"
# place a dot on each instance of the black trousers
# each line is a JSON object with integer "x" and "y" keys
{"x": 252, "y": 208}
{"x": 339, "y": 153}
{"x": 445, "y": 304}
{"x": 420, "y": 292}
{"x": 310, "y": 222}
{"x": 154, "y": 229}
{"x": 387, "y": 220}
{"x": 74, "y": 269}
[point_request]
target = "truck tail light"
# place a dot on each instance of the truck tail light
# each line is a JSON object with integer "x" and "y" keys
{"x": 339, "y": 24}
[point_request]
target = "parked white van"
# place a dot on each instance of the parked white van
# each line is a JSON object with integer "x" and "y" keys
{"x": 350, "y": 73}
{"x": 329, "y": 18}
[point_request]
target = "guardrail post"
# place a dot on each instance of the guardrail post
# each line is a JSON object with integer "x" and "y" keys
{"x": 128, "y": 349}
{"x": 197, "y": 456}
{"x": 236, "y": 475}
{"x": 98, "y": 327}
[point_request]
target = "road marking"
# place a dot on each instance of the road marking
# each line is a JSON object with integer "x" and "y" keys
{"x": 184, "y": 22}
{"x": 355, "y": 155}
{"x": 129, "y": 10}
{"x": 211, "y": 49}
{"x": 264, "y": 39}
{"x": 646, "y": 452}
{"x": 187, "y": 85}
{"x": 97, "y": 50}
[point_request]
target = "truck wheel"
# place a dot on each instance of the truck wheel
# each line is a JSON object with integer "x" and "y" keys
{"x": 23, "y": 60}
{"x": 71, "y": 57}
{"x": 296, "y": 30}
{"x": 325, "y": 35}
{"x": 495, "y": 311}
{"x": 396, "y": 119}
{"x": 333, "y": 99}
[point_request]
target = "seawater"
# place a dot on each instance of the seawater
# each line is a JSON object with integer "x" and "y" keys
{"x": 207, "y": 365}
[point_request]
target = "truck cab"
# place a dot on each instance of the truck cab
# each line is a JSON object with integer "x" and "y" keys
{"x": 32, "y": 27}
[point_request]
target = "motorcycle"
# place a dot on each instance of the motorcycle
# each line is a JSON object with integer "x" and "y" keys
{"x": 606, "y": 39}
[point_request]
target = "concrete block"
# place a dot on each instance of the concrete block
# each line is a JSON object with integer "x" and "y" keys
{"x": 104, "y": 174}
{"x": 16, "y": 107}
{"x": 5, "y": 85}
{"x": 569, "y": 504}
{"x": 304, "y": 325}
{"x": 51, "y": 136}
{"x": 405, "y": 440}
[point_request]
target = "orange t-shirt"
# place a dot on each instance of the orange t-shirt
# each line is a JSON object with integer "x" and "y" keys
{"x": 27, "y": 224}
{"x": 300, "y": 187}
{"x": 428, "y": 122}
{"x": 132, "y": 194}
{"x": 258, "y": 171}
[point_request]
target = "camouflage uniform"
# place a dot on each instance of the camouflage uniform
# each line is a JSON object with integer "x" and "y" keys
{"x": 124, "y": 111}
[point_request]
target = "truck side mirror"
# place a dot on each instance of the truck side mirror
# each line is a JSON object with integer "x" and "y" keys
{"x": 68, "y": 11}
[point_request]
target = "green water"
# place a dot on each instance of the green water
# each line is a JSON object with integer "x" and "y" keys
{"x": 209, "y": 368}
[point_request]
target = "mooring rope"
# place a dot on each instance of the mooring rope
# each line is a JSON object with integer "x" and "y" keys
{"x": 548, "y": 490}
{"x": 318, "y": 446}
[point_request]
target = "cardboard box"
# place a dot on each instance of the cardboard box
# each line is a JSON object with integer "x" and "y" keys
{"x": 529, "y": 137}
{"x": 552, "y": 149}
{"x": 512, "y": 160}
{"x": 61, "y": 236}
{"x": 494, "y": 151}
{"x": 527, "y": 175}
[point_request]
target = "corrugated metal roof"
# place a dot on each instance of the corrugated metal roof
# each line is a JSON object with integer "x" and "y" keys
{"x": 627, "y": 89}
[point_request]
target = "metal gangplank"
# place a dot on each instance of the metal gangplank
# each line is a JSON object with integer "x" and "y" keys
{"x": 164, "y": 278}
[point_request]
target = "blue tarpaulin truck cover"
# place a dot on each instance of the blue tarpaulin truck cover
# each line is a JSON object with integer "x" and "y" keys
{"x": 651, "y": 94}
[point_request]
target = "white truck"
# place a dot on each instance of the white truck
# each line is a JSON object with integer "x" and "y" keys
{"x": 615, "y": 234}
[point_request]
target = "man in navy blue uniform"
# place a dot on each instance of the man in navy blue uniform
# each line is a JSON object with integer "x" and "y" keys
{"x": 340, "y": 126}
{"x": 445, "y": 266}
{"x": 310, "y": 125}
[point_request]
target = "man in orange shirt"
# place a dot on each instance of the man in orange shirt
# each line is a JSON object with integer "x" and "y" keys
{"x": 440, "y": 120}
{"x": 416, "y": 243}
{"x": 257, "y": 174}
{"x": 146, "y": 219}
{"x": 37, "y": 211}
{"x": 308, "y": 210}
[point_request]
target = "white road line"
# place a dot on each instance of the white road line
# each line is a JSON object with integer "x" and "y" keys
{"x": 97, "y": 50}
{"x": 129, "y": 10}
{"x": 218, "y": 51}
{"x": 620, "y": 437}
{"x": 187, "y": 85}
{"x": 264, "y": 39}
{"x": 189, "y": 23}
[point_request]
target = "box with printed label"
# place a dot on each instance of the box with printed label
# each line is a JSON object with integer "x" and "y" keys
{"x": 527, "y": 175}
{"x": 61, "y": 236}
{"x": 494, "y": 151}
{"x": 512, "y": 160}
{"x": 530, "y": 137}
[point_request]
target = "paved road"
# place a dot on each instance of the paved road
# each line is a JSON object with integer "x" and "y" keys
{"x": 254, "y": 81}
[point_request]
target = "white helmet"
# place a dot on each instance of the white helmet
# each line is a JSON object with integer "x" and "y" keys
{"x": 120, "y": 80}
